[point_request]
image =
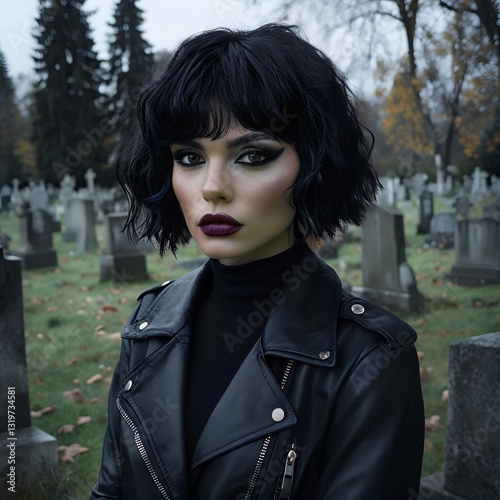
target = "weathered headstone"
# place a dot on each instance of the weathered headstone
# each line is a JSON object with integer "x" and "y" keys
{"x": 418, "y": 182}
{"x": 386, "y": 196}
{"x": 477, "y": 252}
{"x": 442, "y": 231}
{"x": 425, "y": 211}
{"x": 36, "y": 240}
{"x": 5, "y": 196}
{"x": 467, "y": 184}
{"x": 479, "y": 188}
{"x": 80, "y": 224}
{"x": 473, "y": 431}
{"x": 26, "y": 452}
{"x": 90, "y": 178}
{"x": 462, "y": 207}
{"x": 123, "y": 260}
{"x": 388, "y": 279}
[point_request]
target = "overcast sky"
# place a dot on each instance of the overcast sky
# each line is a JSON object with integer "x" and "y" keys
{"x": 166, "y": 24}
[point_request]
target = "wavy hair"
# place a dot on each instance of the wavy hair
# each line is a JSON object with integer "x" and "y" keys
{"x": 268, "y": 79}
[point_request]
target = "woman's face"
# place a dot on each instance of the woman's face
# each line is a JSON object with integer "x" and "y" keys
{"x": 234, "y": 191}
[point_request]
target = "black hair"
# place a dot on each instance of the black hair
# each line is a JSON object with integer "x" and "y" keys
{"x": 269, "y": 79}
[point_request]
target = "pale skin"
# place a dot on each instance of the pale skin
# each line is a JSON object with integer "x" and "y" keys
{"x": 246, "y": 175}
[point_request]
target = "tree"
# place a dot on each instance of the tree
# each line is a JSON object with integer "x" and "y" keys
{"x": 131, "y": 62}
{"x": 9, "y": 125}
{"x": 70, "y": 127}
{"x": 446, "y": 64}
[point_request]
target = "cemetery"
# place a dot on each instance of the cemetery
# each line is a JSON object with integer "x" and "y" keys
{"x": 77, "y": 282}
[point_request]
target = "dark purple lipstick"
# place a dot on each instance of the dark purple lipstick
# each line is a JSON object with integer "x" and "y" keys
{"x": 219, "y": 225}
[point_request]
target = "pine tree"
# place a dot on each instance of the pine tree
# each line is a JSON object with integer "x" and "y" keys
{"x": 9, "y": 124}
{"x": 131, "y": 62}
{"x": 70, "y": 128}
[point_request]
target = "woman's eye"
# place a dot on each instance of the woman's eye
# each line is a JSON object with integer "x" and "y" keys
{"x": 253, "y": 158}
{"x": 189, "y": 159}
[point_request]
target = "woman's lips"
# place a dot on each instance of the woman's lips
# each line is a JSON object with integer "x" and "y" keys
{"x": 219, "y": 225}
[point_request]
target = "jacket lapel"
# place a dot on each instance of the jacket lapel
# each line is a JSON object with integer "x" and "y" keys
{"x": 245, "y": 411}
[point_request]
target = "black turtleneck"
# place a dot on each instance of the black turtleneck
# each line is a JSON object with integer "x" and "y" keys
{"x": 228, "y": 322}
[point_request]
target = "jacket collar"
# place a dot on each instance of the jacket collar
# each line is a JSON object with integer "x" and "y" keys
{"x": 301, "y": 326}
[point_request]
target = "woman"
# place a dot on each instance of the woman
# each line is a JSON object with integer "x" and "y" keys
{"x": 256, "y": 375}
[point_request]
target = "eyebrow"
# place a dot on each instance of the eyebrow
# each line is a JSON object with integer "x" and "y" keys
{"x": 232, "y": 143}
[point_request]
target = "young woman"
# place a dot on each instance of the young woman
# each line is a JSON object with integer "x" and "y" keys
{"x": 256, "y": 375}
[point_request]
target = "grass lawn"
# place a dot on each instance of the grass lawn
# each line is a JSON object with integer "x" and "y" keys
{"x": 73, "y": 321}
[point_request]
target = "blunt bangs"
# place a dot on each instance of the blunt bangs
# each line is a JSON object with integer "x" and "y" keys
{"x": 269, "y": 79}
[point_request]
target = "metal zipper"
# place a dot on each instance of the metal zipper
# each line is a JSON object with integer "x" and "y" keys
{"x": 267, "y": 440}
{"x": 285, "y": 488}
{"x": 142, "y": 450}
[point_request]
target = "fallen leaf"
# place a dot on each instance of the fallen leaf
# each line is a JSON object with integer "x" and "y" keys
{"x": 445, "y": 395}
{"x": 72, "y": 361}
{"x": 57, "y": 271}
{"x": 478, "y": 304}
{"x": 64, "y": 260}
{"x": 40, "y": 336}
{"x": 74, "y": 395}
{"x": 38, "y": 381}
{"x": 116, "y": 291}
{"x": 108, "y": 308}
{"x": 43, "y": 411}
{"x": 84, "y": 348}
{"x": 94, "y": 378}
{"x": 107, "y": 380}
{"x": 83, "y": 420}
{"x": 41, "y": 394}
{"x": 420, "y": 355}
{"x": 85, "y": 289}
{"x": 66, "y": 453}
{"x": 77, "y": 381}
{"x": 80, "y": 312}
{"x": 36, "y": 301}
{"x": 433, "y": 423}
{"x": 428, "y": 446}
{"x": 51, "y": 309}
{"x": 94, "y": 400}
{"x": 122, "y": 300}
{"x": 55, "y": 363}
{"x": 66, "y": 429}
{"x": 421, "y": 321}
{"x": 100, "y": 333}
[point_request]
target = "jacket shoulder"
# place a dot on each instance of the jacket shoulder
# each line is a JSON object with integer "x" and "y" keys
{"x": 374, "y": 318}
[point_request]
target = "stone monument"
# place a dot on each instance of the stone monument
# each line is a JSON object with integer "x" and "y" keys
{"x": 26, "y": 452}
{"x": 388, "y": 279}
{"x": 123, "y": 260}
{"x": 472, "y": 470}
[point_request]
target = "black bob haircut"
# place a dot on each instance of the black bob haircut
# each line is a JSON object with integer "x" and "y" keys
{"x": 267, "y": 79}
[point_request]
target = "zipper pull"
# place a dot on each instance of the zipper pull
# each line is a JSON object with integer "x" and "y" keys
{"x": 286, "y": 483}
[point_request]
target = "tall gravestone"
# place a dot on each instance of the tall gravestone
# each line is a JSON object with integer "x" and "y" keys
{"x": 80, "y": 223}
{"x": 26, "y": 452}
{"x": 123, "y": 261}
{"x": 477, "y": 252}
{"x": 425, "y": 211}
{"x": 442, "y": 231}
{"x": 36, "y": 240}
{"x": 388, "y": 279}
{"x": 472, "y": 470}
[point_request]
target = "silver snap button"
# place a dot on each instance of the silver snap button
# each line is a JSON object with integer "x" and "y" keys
{"x": 143, "y": 325}
{"x": 128, "y": 385}
{"x": 324, "y": 354}
{"x": 278, "y": 414}
{"x": 357, "y": 309}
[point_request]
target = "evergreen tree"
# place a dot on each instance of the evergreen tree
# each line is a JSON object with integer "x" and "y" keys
{"x": 70, "y": 129}
{"x": 131, "y": 62}
{"x": 9, "y": 124}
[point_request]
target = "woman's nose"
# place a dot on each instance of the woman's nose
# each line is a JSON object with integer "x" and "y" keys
{"x": 217, "y": 184}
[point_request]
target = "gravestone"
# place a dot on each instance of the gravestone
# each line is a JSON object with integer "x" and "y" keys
{"x": 479, "y": 189}
{"x": 34, "y": 451}
{"x": 442, "y": 231}
{"x": 123, "y": 260}
{"x": 462, "y": 207}
{"x": 477, "y": 252}
{"x": 386, "y": 196}
{"x": 80, "y": 224}
{"x": 16, "y": 200}
{"x": 5, "y": 196}
{"x": 36, "y": 240}
{"x": 388, "y": 279}
{"x": 418, "y": 182}
{"x": 425, "y": 212}
{"x": 90, "y": 176}
{"x": 472, "y": 469}
{"x": 467, "y": 184}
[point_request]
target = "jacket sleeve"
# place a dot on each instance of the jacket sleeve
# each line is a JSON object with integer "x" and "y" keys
{"x": 375, "y": 443}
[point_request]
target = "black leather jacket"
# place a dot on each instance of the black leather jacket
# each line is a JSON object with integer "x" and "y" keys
{"x": 327, "y": 405}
